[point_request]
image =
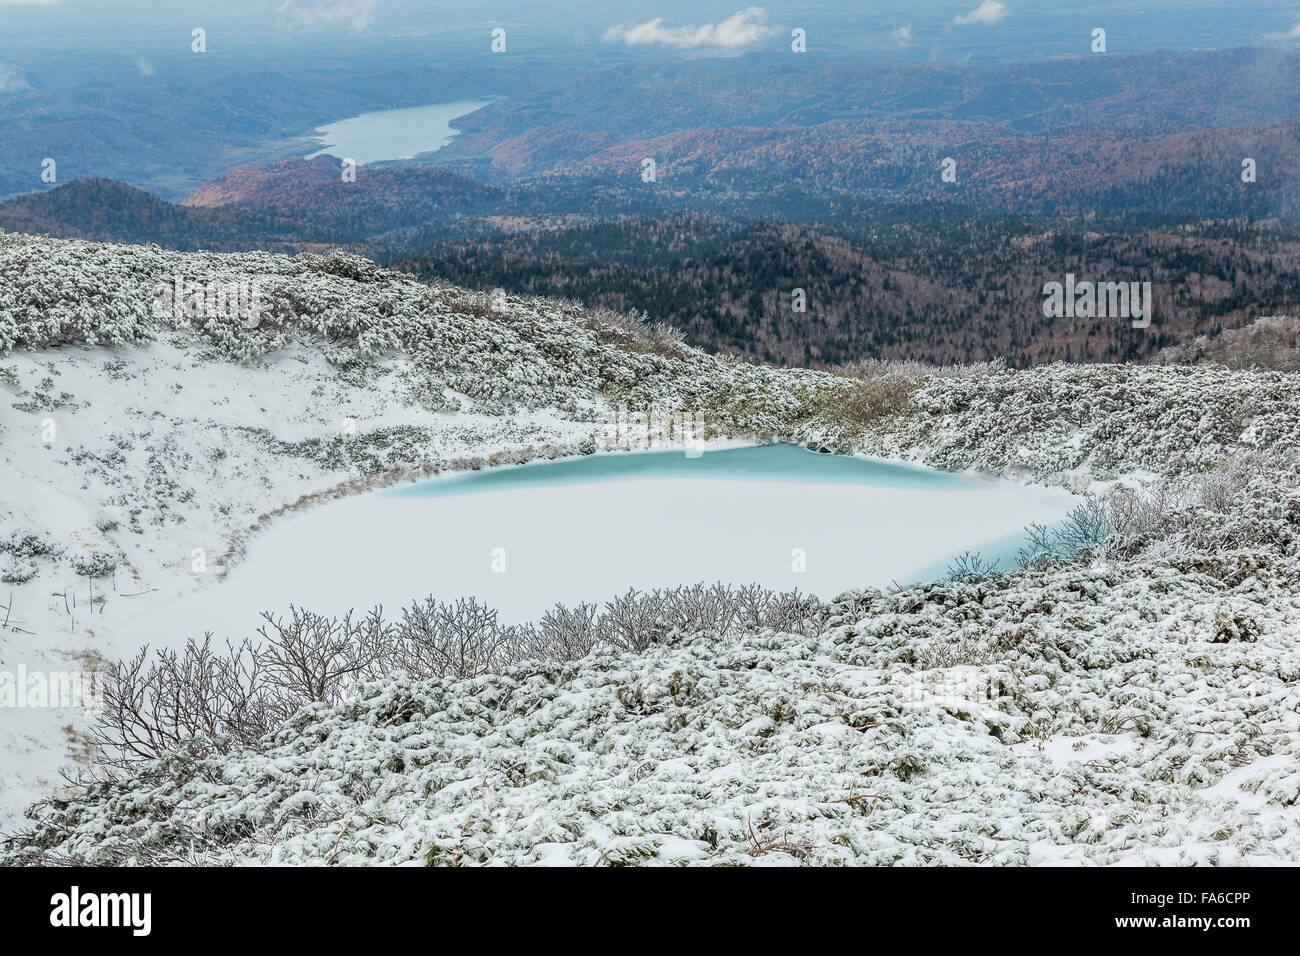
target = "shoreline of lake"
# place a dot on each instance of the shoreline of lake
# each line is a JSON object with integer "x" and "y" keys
{"x": 395, "y": 134}
{"x": 521, "y": 539}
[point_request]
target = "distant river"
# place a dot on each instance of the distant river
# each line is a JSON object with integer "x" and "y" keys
{"x": 394, "y": 134}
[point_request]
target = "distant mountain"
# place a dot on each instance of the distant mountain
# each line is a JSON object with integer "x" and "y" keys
{"x": 107, "y": 211}
{"x": 1099, "y": 167}
{"x": 173, "y": 132}
{"x": 1152, "y": 132}
{"x": 382, "y": 202}
{"x": 13, "y": 80}
{"x": 926, "y": 281}
{"x": 290, "y": 206}
{"x": 1153, "y": 92}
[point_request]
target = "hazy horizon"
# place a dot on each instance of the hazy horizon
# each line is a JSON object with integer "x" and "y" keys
{"x": 53, "y": 39}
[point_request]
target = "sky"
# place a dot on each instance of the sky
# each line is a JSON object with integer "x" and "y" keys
{"x": 33, "y": 30}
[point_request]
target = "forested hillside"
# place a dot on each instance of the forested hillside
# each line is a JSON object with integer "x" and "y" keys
{"x": 907, "y": 283}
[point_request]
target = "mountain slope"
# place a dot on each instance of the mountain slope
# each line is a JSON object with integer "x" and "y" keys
{"x": 944, "y": 726}
{"x": 1137, "y": 706}
{"x": 129, "y": 439}
{"x": 105, "y": 210}
{"x": 1155, "y": 132}
{"x": 383, "y": 201}
{"x": 913, "y": 283}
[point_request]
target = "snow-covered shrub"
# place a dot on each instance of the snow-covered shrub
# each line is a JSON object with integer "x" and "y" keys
{"x": 874, "y": 368}
{"x": 1111, "y": 420}
{"x": 311, "y": 658}
{"x": 207, "y": 700}
{"x": 28, "y": 544}
{"x": 565, "y": 634}
{"x": 339, "y": 263}
{"x": 460, "y": 639}
{"x": 106, "y": 522}
{"x": 196, "y": 701}
{"x": 969, "y": 567}
{"x": 1235, "y": 624}
{"x": 1084, "y": 714}
{"x": 8, "y": 331}
{"x": 636, "y": 619}
{"x": 1253, "y": 502}
{"x": 17, "y": 570}
{"x": 54, "y": 294}
{"x": 95, "y": 562}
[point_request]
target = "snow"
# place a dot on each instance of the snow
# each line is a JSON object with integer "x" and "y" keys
{"x": 173, "y": 450}
{"x": 523, "y": 550}
{"x": 935, "y": 725}
{"x": 176, "y": 436}
{"x": 707, "y": 750}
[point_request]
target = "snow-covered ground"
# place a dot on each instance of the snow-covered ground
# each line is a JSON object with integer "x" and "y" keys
{"x": 150, "y": 451}
{"x": 1139, "y": 709}
{"x": 1087, "y": 717}
{"x": 158, "y": 454}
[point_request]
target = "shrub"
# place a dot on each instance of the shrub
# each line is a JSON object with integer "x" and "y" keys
{"x": 970, "y": 567}
{"x": 95, "y": 563}
{"x": 17, "y": 570}
{"x": 861, "y": 403}
{"x": 202, "y": 700}
{"x": 28, "y": 545}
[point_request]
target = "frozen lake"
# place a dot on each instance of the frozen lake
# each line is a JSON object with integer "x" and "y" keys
{"x": 585, "y": 529}
{"x": 394, "y": 134}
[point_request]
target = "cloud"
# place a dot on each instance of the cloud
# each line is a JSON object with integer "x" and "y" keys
{"x": 357, "y": 14}
{"x": 1292, "y": 34}
{"x": 902, "y": 35}
{"x": 738, "y": 30}
{"x": 987, "y": 13}
{"x": 11, "y": 80}
{"x": 144, "y": 66}
{"x": 28, "y": 3}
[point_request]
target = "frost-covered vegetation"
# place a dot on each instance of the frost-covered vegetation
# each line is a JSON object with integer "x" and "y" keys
{"x": 1102, "y": 421}
{"x": 1128, "y": 695}
{"x": 506, "y": 352}
{"x": 207, "y": 699}
{"x": 205, "y": 426}
{"x": 1119, "y": 714}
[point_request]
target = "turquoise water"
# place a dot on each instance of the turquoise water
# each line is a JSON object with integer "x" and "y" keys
{"x": 394, "y": 134}
{"x": 1002, "y": 552}
{"x": 763, "y": 463}
{"x": 522, "y": 539}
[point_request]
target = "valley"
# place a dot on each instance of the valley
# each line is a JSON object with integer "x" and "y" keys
{"x": 799, "y": 213}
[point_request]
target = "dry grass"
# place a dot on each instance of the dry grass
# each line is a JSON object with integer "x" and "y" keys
{"x": 879, "y": 388}
{"x": 865, "y": 401}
